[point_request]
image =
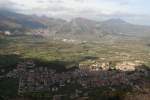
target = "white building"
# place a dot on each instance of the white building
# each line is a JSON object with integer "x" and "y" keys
{"x": 7, "y": 33}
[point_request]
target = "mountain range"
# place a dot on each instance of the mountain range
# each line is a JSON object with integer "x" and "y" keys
{"x": 77, "y": 27}
{"x": 15, "y": 21}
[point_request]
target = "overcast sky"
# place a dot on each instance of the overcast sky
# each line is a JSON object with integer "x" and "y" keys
{"x": 135, "y": 11}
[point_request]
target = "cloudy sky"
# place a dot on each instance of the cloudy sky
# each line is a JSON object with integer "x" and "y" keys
{"x": 135, "y": 11}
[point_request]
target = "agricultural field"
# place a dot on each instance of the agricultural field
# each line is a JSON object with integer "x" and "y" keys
{"x": 46, "y": 49}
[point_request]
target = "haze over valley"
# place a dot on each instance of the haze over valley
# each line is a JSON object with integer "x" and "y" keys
{"x": 74, "y": 50}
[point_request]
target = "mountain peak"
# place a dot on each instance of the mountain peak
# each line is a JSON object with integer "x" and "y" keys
{"x": 116, "y": 20}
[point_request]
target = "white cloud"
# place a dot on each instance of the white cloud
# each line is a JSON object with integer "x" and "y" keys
{"x": 6, "y": 4}
{"x": 70, "y": 7}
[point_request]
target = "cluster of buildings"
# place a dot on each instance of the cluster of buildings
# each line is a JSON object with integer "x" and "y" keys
{"x": 105, "y": 66}
{"x": 33, "y": 78}
{"x": 39, "y": 32}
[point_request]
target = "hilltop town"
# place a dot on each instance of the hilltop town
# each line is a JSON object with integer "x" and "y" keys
{"x": 77, "y": 83}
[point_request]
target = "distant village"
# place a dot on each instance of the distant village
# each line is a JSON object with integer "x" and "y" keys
{"x": 43, "y": 79}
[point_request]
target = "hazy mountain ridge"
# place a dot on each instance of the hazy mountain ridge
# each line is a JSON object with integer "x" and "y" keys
{"x": 14, "y": 21}
{"x": 77, "y": 27}
{"x": 121, "y": 27}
